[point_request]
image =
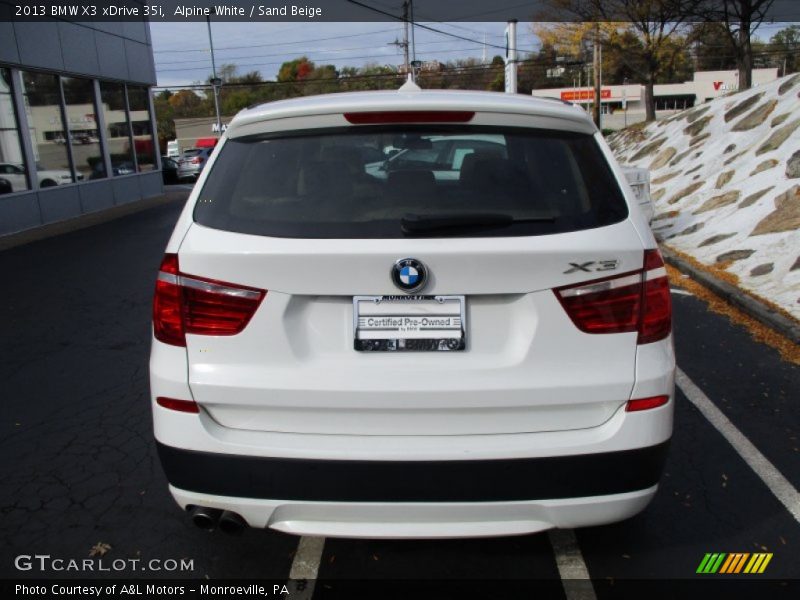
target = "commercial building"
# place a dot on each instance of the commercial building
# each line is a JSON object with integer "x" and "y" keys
{"x": 624, "y": 104}
{"x": 199, "y": 131}
{"x": 76, "y": 119}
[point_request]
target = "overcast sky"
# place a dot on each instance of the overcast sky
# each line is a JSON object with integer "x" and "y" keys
{"x": 182, "y": 51}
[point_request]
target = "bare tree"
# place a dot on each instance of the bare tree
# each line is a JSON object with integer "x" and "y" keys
{"x": 653, "y": 21}
{"x": 740, "y": 18}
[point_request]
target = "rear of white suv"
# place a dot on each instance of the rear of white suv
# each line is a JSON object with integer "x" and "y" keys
{"x": 474, "y": 339}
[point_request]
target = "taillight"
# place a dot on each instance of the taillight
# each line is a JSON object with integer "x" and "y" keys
{"x": 197, "y": 160}
{"x": 189, "y": 304}
{"x": 409, "y": 116}
{"x": 656, "y": 322}
{"x": 637, "y": 301}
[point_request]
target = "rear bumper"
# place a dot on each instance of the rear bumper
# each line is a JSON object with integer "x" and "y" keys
{"x": 424, "y": 520}
{"x": 500, "y": 480}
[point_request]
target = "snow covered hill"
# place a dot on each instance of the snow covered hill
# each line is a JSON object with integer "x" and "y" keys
{"x": 725, "y": 178}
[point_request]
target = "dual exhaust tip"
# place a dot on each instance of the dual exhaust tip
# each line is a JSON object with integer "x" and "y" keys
{"x": 210, "y": 519}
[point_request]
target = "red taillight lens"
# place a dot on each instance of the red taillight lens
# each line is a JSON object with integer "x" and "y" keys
{"x": 605, "y": 306}
{"x": 189, "y": 304}
{"x": 637, "y": 301}
{"x": 409, "y": 116}
{"x": 656, "y": 321}
{"x": 646, "y": 403}
{"x": 167, "y": 311}
{"x": 187, "y": 406}
{"x": 197, "y": 160}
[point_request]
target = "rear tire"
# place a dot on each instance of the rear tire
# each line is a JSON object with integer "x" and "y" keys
{"x": 48, "y": 183}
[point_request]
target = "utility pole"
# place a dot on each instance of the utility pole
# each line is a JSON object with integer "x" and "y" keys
{"x": 413, "y": 43}
{"x": 596, "y": 74}
{"x": 511, "y": 57}
{"x": 215, "y": 81}
{"x": 404, "y": 43}
{"x": 625, "y": 99}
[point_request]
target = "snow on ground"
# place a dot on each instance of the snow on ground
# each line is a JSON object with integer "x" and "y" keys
{"x": 725, "y": 179}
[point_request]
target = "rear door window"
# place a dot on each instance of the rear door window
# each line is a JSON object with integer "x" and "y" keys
{"x": 329, "y": 184}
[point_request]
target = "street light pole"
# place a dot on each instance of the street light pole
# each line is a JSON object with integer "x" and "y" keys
{"x": 215, "y": 81}
{"x": 625, "y": 99}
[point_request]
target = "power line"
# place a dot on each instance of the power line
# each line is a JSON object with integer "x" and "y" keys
{"x": 336, "y": 37}
{"x": 449, "y": 71}
{"x": 183, "y": 62}
{"x": 322, "y": 60}
{"x": 421, "y": 26}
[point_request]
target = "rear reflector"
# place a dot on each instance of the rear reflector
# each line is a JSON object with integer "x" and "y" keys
{"x": 187, "y": 406}
{"x": 646, "y": 403}
{"x": 638, "y": 301}
{"x": 189, "y": 304}
{"x": 409, "y": 116}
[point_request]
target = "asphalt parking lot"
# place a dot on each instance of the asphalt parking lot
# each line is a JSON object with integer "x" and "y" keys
{"x": 79, "y": 467}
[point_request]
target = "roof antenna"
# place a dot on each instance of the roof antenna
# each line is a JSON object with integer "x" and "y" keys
{"x": 409, "y": 85}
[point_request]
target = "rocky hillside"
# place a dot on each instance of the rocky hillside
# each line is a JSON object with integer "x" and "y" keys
{"x": 725, "y": 178}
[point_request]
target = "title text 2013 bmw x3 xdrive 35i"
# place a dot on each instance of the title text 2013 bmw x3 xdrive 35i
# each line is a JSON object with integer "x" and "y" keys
{"x": 412, "y": 314}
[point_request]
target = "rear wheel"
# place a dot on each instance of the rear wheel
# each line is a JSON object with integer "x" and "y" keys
{"x": 47, "y": 183}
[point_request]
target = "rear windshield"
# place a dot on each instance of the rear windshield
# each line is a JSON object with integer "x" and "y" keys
{"x": 374, "y": 182}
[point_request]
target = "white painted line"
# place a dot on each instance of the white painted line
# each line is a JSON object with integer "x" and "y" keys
{"x": 305, "y": 566}
{"x": 574, "y": 574}
{"x": 680, "y": 292}
{"x": 784, "y": 491}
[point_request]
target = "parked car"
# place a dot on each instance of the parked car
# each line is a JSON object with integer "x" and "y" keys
{"x": 169, "y": 170}
{"x": 15, "y": 174}
{"x": 337, "y": 352}
{"x": 191, "y": 162}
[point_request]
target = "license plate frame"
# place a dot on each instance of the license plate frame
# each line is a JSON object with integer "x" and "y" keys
{"x": 414, "y": 323}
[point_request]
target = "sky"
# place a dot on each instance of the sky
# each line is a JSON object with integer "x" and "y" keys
{"x": 182, "y": 55}
{"x": 182, "y": 50}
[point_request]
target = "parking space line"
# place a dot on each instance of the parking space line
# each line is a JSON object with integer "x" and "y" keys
{"x": 574, "y": 574}
{"x": 680, "y": 292}
{"x": 781, "y": 488}
{"x": 305, "y": 567}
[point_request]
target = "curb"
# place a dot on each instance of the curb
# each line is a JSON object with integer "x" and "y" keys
{"x": 43, "y": 232}
{"x": 735, "y": 296}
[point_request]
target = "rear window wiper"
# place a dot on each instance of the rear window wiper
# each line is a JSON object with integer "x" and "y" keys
{"x": 414, "y": 223}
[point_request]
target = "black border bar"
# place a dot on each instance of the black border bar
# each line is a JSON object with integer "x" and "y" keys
{"x": 414, "y": 481}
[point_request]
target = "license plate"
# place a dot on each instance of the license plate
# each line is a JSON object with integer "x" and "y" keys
{"x": 409, "y": 323}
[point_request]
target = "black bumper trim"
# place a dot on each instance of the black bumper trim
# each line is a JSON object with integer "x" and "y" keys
{"x": 414, "y": 481}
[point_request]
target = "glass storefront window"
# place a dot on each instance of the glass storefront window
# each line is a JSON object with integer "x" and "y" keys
{"x": 142, "y": 127}
{"x": 12, "y": 162}
{"x": 112, "y": 96}
{"x": 82, "y": 123}
{"x": 43, "y": 106}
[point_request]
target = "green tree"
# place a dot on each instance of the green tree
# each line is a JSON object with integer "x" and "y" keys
{"x": 784, "y": 47}
{"x": 165, "y": 118}
{"x": 711, "y": 47}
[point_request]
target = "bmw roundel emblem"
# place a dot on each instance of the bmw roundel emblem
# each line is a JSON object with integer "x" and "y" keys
{"x": 409, "y": 274}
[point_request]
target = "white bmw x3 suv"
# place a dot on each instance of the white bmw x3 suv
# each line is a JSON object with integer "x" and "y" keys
{"x": 471, "y": 339}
